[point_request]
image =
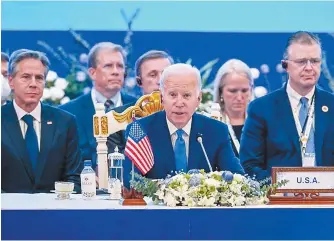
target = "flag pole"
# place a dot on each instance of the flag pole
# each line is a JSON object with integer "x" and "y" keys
{"x": 133, "y": 173}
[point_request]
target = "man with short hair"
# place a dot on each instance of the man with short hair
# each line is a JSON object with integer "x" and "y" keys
{"x": 293, "y": 126}
{"x": 106, "y": 67}
{"x": 4, "y": 64}
{"x": 39, "y": 143}
{"x": 149, "y": 68}
{"x": 173, "y": 133}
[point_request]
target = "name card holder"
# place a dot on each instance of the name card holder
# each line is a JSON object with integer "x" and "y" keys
{"x": 305, "y": 185}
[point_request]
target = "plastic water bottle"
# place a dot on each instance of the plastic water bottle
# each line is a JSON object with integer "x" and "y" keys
{"x": 88, "y": 181}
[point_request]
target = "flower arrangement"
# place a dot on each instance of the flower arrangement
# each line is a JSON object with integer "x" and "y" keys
{"x": 199, "y": 189}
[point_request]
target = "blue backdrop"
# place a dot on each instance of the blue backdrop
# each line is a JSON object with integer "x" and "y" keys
{"x": 253, "y": 48}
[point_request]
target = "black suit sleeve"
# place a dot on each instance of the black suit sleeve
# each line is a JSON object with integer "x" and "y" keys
{"x": 73, "y": 163}
{"x": 116, "y": 139}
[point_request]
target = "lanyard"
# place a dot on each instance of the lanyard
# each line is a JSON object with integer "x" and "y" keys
{"x": 304, "y": 132}
{"x": 232, "y": 134}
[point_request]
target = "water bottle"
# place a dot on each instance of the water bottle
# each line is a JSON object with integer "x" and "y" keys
{"x": 88, "y": 181}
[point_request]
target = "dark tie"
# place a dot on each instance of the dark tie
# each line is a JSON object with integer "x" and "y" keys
{"x": 109, "y": 104}
{"x": 302, "y": 118}
{"x": 180, "y": 152}
{"x": 31, "y": 140}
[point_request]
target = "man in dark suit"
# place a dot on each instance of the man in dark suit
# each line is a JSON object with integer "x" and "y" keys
{"x": 292, "y": 126}
{"x": 39, "y": 143}
{"x": 149, "y": 68}
{"x": 106, "y": 66}
{"x": 174, "y": 132}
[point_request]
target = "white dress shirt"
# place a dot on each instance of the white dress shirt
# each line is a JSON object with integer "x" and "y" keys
{"x": 186, "y": 134}
{"x": 36, "y": 114}
{"x": 294, "y": 99}
{"x": 97, "y": 97}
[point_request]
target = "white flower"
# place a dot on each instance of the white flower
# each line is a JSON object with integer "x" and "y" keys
{"x": 65, "y": 100}
{"x": 61, "y": 83}
{"x": 46, "y": 93}
{"x": 51, "y": 76}
{"x": 160, "y": 193}
{"x": 80, "y": 76}
{"x": 130, "y": 82}
{"x": 260, "y": 91}
{"x": 83, "y": 58}
{"x": 170, "y": 200}
{"x": 56, "y": 93}
{"x": 238, "y": 177}
{"x": 189, "y": 202}
{"x": 207, "y": 202}
{"x": 264, "y": 69}
{"x": 279, "y": 68}
{"x": 255, "y": 73}
{"x": 212, "y": 182}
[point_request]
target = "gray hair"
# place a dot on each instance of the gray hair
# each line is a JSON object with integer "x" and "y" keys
{"x": 17, "y": 56}
{"x": 180, "y": 68}
{"x": 152, "y": 54}
{"x": 301, "y": 37}
{"x": 229, "y": 67}
{"x": 4, "y": 57}
{"x": 92, "y": 55}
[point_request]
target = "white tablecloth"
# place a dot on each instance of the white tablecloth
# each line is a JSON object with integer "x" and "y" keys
{"x": 42, "y": 201}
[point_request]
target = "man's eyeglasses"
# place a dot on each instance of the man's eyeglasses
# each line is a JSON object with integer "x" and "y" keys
{"x": 304, "y": 62}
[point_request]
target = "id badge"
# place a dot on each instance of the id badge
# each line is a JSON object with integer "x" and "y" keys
{"x": 309, "y": 160}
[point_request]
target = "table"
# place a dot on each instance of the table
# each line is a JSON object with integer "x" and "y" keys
{"x": 40, "y": 216}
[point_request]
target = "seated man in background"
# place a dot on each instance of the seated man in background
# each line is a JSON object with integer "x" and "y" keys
{"x": 106, "y": 67}
{"x": 149, "y": 67}
{"x": 5, "y": 89}
{"x": 293, "y": 126}
{"x": 173, "y": 133}
{"x": 39, "y": 143}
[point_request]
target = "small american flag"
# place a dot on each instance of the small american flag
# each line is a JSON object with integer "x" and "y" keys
{"x": 138, "y": 148}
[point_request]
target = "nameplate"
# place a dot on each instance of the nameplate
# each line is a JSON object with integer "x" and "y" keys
{"x": 303, "y": 185}
{"x": 301, "y": 179}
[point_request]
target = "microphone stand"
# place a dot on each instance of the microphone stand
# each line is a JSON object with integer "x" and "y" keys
{"x": 200, "y": 140}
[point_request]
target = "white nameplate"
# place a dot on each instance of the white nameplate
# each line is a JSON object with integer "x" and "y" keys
{"x": 306, "y": 178}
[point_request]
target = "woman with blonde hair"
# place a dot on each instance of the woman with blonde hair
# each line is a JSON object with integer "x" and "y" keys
{"x": 233, "y": 87}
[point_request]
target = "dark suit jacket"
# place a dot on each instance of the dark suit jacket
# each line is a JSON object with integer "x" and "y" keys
{"x": 59, "y": 158}
{"x": 216, "y": 141}
{"x": 270, "y": 138}
{"x": 83, "y": 108}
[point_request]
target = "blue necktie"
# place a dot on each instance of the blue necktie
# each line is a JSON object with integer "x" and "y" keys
{"x": 31, "y": 140}
{"x": 302, "y": 118}
{"x": 180, "y": 152}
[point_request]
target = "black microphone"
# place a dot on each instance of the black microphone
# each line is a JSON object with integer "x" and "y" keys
{"x": 200, "y": 140}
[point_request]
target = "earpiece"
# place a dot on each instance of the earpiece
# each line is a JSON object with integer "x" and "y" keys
{"x": 284, "y": 64}
{"x": 139, "y": 82}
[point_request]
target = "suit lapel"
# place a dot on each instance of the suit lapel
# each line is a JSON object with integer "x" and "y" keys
{"x": 321, "y": 122}
{"x": 164, "y": 154}
{"x": 195, "y": 151}
{"x": 15, "y": 135}
{"x": 48, "y": 127}
{"x": 286, "y": 116}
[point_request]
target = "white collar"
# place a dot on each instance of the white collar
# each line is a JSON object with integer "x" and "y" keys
{"x": 173, "y": 129}
{"x": 97, "y": 97}
{"x": 36, "y": 113}
{"x": 295, "y": 97}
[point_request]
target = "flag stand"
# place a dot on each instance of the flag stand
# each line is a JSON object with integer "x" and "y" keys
{"x": 132, "y": 197}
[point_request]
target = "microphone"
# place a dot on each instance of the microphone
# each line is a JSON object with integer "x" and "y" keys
{"x": 200, "y": 140}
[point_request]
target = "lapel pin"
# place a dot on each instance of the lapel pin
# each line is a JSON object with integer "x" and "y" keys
{"x": 49, "y": 122}
{"x": 324, "y": 108}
